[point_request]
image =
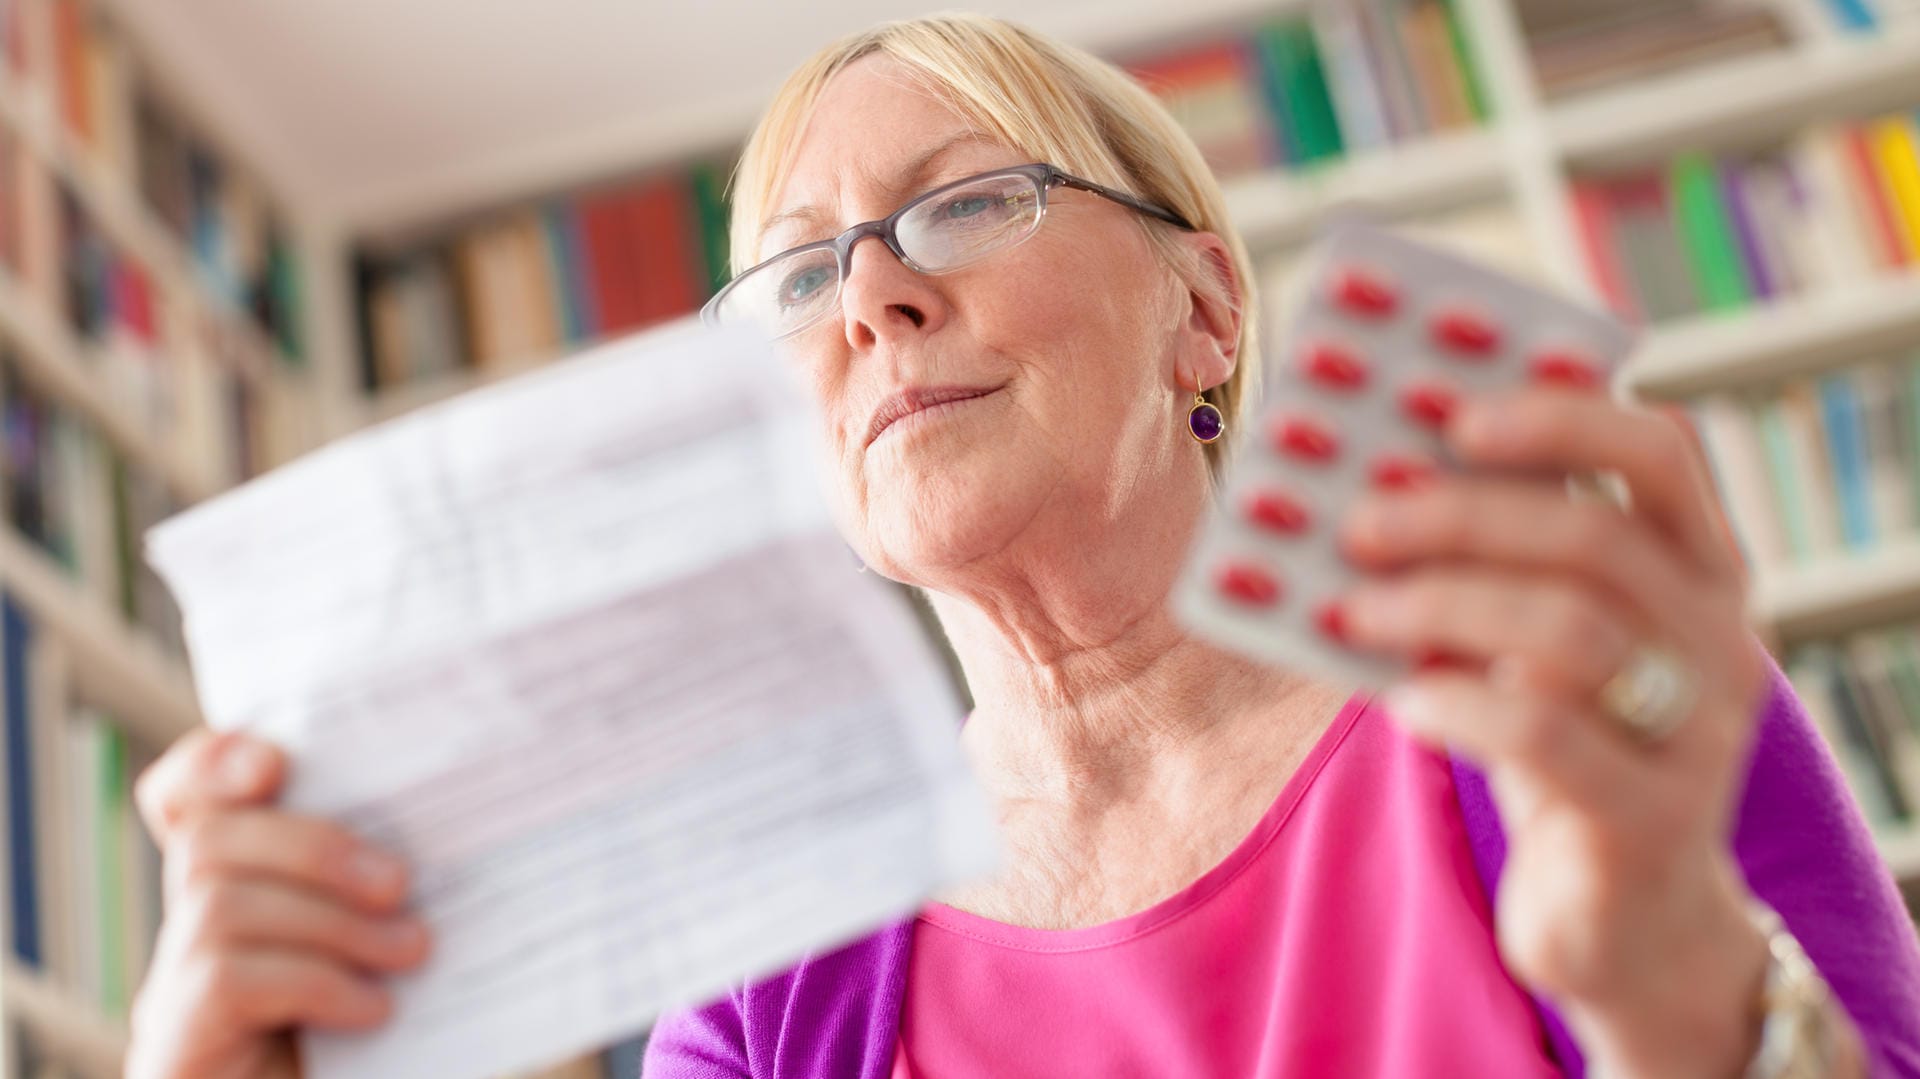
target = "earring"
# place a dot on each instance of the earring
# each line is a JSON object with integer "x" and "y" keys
{"x": 1204, "y": 421}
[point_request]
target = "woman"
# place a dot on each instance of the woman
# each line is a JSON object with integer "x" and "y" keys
{"x": 1213, "y": 867}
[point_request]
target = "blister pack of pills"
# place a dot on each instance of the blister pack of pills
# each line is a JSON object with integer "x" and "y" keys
{"x": 1378, "y": 349}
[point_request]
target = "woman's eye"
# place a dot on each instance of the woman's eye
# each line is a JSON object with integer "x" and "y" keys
{"x": 804, "y": 284}
{"x": 969, "y": 206}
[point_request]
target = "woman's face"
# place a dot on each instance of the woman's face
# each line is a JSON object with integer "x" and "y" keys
{"x": 1076, "y": 341}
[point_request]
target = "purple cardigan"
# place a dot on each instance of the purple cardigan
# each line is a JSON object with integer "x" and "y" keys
{"x": 1799, "y": 838}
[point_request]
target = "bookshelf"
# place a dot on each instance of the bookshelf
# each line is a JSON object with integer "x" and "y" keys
{"x": 152, "y": 357}
{"x": 1526, "y": 155}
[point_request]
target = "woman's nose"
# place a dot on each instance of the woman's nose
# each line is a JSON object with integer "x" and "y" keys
{"x": 882, "y": 297}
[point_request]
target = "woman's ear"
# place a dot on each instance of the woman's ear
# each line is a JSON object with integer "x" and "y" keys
{"x": 1211, "y": 335}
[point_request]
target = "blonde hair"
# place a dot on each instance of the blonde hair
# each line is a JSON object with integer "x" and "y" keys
{"x": 1046, "y": 99}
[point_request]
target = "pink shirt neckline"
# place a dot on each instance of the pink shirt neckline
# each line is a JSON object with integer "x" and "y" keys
{"x": 1171, "y": 909}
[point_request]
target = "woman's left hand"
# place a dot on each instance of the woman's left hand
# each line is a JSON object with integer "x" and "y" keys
{"x": 1620, "y": 896}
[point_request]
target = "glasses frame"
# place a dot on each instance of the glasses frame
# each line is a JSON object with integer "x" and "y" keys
{"x": 1045, "y": 177}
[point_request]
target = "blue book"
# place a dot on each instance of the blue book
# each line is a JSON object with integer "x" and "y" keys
{"x": 1847, "y": 448}
{"x": 565, "y": 259}
{"x": 16, "y": 636}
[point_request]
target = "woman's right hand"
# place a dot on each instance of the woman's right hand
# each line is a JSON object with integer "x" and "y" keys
{"x": 273, "y": 920}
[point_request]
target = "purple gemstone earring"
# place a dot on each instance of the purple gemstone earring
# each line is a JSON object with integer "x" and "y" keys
{"x": 1204, "y": 421}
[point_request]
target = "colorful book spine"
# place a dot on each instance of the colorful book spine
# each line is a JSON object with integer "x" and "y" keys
{"x": 1706, "y": 235}
{"x": 1896, "y": 153}
{"x": 1294, "y": 68}
{"x": 1846, "y": 449}
{"x": 16, "y": 635}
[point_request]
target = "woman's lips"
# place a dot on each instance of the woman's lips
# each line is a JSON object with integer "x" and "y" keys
{"x": 911, "y": 403}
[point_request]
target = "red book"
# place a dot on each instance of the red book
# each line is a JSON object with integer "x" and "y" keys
{"x": 612, "y": 269}
{"x": 1857, "y": 151}
{"x": 1216, "y": 94}
{"x": 663, "y": 221}
{"x": 70, "y": 49}
{"x": 135, "y": 302}
{"x": 1594, "y": 216}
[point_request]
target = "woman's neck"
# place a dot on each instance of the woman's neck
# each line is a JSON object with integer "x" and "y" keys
{"x": 1089, "y": 707}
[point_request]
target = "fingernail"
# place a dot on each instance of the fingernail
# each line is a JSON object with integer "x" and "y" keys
{"x": 376, "y": 872}
{"x": 243, "y": 763}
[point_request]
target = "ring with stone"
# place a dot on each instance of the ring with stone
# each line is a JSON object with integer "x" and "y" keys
{"x": 1651, "y": 693}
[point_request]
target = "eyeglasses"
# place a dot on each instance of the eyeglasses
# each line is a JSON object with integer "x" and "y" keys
{"x": 951, "y": 226}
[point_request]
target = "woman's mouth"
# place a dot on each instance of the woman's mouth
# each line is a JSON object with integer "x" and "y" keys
{"x": 914, "y": 408}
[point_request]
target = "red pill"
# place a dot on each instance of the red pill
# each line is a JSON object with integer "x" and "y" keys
{"x": 1428, "y": 404}
{"x": 1334, "y": 367}
{"x": 1305, "y": 439}
{"x": 1563, "y": 367}
{"x": 1369, "y": 295}
{"x": 1467, "y": 334}
{"x": 1277, "y": 513}
{"x": 1248, "y": 583}
{"x": 1397, "y": 471}
{"x": 1331, "y": 619}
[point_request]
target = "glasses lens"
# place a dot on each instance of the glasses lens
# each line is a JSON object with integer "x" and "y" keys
{"x": 955, "y": 227}
{"x": 785, "y": 294}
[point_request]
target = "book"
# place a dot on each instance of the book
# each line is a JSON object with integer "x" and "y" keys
{"x": 1885, "y": 231}
{"x": 1706, "y": 234}
{"x": 1353, "y": 78}
{"x": 1896, "y": 155}
{"x": 16, "y": 638}
{"x": 1297, "y": 82}
{"x": 1880, "y": 390}
{"x": 1214, "y": 92}
{"x": 1846, "y": 447}
{"x": 1809, "y": 494}
{"x": 1735, "y": 448}
{"x": 1593, "y": 214}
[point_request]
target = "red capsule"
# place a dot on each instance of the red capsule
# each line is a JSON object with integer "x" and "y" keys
{"x": 1305, "y": 439}
{"x": 1466, "y": 334}
{"x": 1366, "y": 294}
{"x": 1428, "y": 404}
{"x": 1334, "y": 367}
{"x": 1248, "y": 583}
{"x": 1397, "y": 471}
{"x": 1331, "y": 618}
{"x": 1277, "y": 513}
{"x": 1564, "y": 367}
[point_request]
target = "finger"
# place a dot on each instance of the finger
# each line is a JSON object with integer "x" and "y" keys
{"x": 237, "y": 913}
{"x": 1544, "y": 632}
{"x": 1530, "y": 525}
{"x": 1582, "y": 432}
{"x": 269, "y": 988}
{"x": 305, "y": 851}
{"x": 205, "y": 770}
{"x": 1563, "y": 745}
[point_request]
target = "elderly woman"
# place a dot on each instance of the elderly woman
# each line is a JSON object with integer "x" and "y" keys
{"x": 1214, "y": 868}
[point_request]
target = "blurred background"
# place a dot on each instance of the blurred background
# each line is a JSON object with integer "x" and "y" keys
{"x": 231, "y": 231}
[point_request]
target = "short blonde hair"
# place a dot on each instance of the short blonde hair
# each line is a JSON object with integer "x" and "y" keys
{"x": 1049, "y": 100}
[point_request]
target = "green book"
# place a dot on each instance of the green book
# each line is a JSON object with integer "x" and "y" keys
{"x": 283, "y": 285}
{"x": 710, "y": 197}
{"x": 1463, "y": 56}
{"x": 1291, "y": 50}
{"x": 1706, "y": 235}
{"x": 110, "y": 847}
{"x": 1786, "y": 489}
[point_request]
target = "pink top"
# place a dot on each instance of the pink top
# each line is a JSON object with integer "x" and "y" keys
{"x": 1346, "y": 935}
